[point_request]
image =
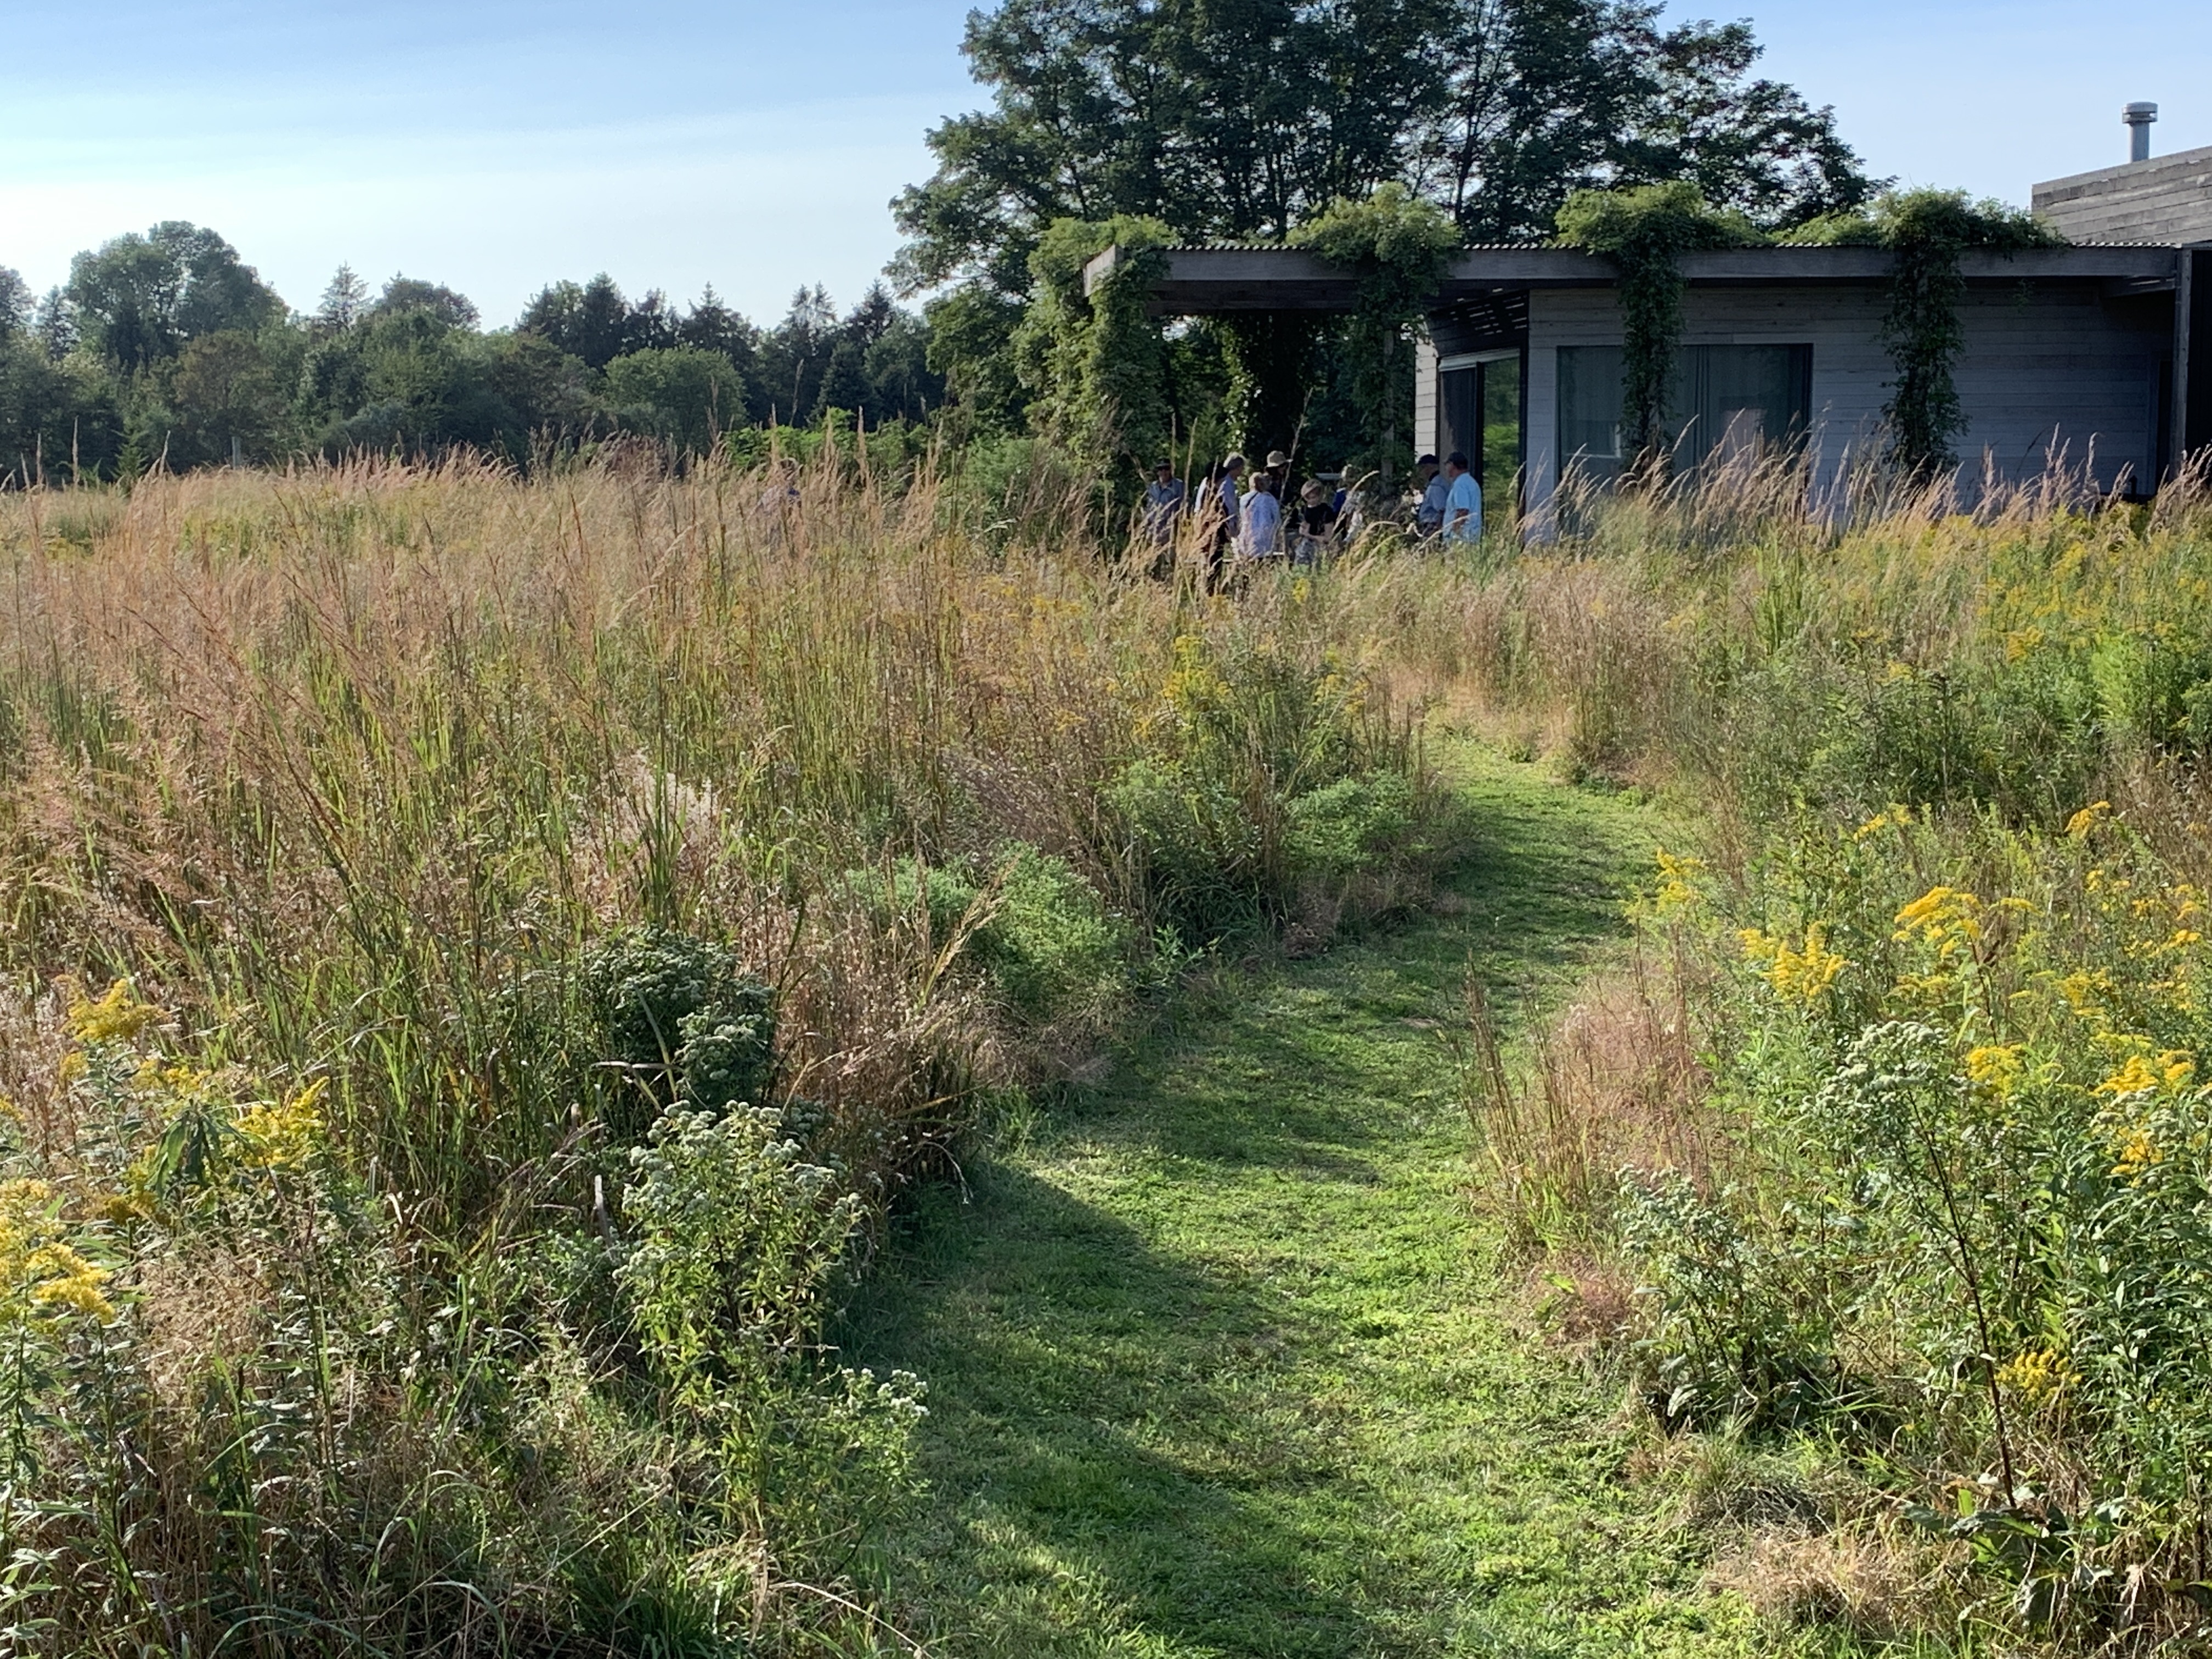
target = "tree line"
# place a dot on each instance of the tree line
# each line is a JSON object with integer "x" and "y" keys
{"x": 167, "y": 349}
{"x": 1203, "y": 120}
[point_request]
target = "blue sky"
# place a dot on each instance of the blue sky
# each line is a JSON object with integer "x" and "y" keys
{"x": 673, "y": 142}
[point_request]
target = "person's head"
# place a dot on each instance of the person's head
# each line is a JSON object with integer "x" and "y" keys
{"x": 1455, "y": 463}
{"x": 1427, "y": 464}
{"x": 1313, "y": 494}
{"x": 1164, "y": 473}
{"x": 1277, "y": 462}
{"x": 1232, "y": 464}
{"x": 1264, "y": 482}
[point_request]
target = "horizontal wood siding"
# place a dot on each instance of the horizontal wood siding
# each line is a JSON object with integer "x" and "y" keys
{"x": 2047, "y": 367}
{"x": 1424, "y": 396}
{"x": 2167, "y": 198}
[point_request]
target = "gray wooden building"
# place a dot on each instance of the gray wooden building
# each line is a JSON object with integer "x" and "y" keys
{"x": 2081, "y": 353}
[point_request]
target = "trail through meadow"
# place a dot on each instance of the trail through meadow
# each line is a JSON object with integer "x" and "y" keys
{"x": 1219, "y": 1362}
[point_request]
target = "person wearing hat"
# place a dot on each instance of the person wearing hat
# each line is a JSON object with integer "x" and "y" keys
{"x": 1316, "y": 521}
{"x": 1436, "y": 489}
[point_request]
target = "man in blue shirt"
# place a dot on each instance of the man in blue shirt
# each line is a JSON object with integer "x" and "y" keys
{"x": 1463, "y": 500}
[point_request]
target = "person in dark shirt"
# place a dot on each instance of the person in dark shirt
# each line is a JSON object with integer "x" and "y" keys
{"x": 1316, "y": 523}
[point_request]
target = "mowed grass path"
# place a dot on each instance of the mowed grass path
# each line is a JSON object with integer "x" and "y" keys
{"x": 1215, "y": 1353}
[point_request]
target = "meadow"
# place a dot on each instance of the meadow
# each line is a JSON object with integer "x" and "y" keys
{"x": 1883, "y": 1160}
{"x": 483, "y": 956}
{"x": 511, "y": 985}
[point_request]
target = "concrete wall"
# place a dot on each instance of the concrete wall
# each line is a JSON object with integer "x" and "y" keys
{"x": 2051, "y": 367}
{"x": 2166, "y": 200}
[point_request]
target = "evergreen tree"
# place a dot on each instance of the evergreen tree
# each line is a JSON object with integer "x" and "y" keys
{"x": 343, "y": 301}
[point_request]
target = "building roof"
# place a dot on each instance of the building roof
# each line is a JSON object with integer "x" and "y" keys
{"x": 1203, "y": 280}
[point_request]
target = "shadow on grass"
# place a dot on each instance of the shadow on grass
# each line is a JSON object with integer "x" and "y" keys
{"x": 1088, "y": 1417}
{"x": 1140, "y": 1330}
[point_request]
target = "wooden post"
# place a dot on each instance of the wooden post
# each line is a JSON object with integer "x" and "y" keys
{"x": 2184, "y": 299}
{"x": 1390, "y": 421}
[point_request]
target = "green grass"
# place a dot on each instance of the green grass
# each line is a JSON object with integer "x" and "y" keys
{"x": 1219, "y": 1358}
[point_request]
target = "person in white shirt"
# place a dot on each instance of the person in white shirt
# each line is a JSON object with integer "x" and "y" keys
{"x": 1463, "y": 519}
{"x": 1429, "y": 516}
{"x": 1263, "y": 537}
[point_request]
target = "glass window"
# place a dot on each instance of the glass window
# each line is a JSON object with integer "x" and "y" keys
{"x": 1481, "y": 407}
{"x": 1743, "y": 400}
{"x": 1723, "y": 402}
{"x": 1462, "y": 405}
{"x": 1589, "y": 410}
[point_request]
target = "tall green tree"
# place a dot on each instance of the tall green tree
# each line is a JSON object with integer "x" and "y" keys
{"x": 1242, "y": 119}
{"x": 138, "y": 300}
{"x": 15, "y": 304}
{"x": 413, "y": 293}
{"x": 593, "y": 320}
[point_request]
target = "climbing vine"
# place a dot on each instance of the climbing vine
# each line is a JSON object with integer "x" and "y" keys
{"x": 1397, "y": 245}
{"x": 1644, "y": 232}
{"x": 1095, "y": 362}
{"x": 1927, "y": 231}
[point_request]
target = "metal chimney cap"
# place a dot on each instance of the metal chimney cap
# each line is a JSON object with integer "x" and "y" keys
{"x": 2139, "y": 115}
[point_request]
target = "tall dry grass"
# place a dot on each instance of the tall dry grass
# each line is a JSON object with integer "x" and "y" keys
{"x": 346, "y": 1297}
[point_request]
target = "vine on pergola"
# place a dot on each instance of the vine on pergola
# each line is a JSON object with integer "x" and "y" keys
{"x": 1095, "y": 362}
{"x": 1927, "y": 231}
{"x": 1644, "y": 232}
{"x": 1398, "y": 246}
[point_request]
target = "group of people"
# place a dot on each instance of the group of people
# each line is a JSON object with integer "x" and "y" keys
{"x": 1244, "y": 510}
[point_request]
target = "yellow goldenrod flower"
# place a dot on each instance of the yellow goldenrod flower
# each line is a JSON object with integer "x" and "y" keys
{"x": 2038, "y": 1374}
{"x": 1892, "y": 817}
{"x": 2165, "y": 1073}
{"x": 277, "y": 1133}
{"x": 2134, "y": 1151}
{"x": 117, "y": 1017}
{"x": 2079, "y": 826}
{"x": 40, "y": 1272}
{"x": 2083, "y": 990}
{"x": 1947, "y": 918}
{"x": 1678, "y": 878}
{"x": 1798, "y": 974}
{"x": 1997, "y": 1067}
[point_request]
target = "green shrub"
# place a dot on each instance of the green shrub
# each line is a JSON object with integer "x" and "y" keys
{"x": 1741, "y": 1329}
{"x": 680, "y": 1022}
{"x": 1034, "y": 928}
{"x": 1249, "y": 727}
{"x": 1347, "y": 827}
{"x": 738, "y": 1245}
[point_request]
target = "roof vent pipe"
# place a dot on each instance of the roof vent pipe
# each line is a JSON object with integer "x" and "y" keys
{"x": 2139, "y": 118}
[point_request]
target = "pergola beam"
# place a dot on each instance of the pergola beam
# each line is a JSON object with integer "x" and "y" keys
{"x": 1212, "y": 281}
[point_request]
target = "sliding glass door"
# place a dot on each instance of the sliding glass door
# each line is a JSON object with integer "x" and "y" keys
{"x": 1479, "y": 414}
